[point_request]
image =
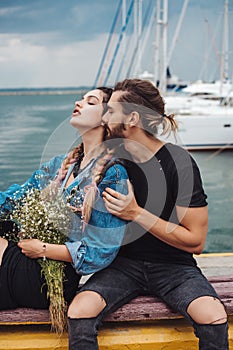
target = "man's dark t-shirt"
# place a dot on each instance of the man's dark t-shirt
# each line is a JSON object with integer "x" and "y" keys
{"x": 171, "y": 178}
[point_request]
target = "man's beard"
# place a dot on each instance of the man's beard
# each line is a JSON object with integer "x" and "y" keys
{"x": 115, "y": 133}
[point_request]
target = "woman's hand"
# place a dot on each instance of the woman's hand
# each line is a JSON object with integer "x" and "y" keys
{"x": 123, "y": 206}
{"x": 32, "y": 248}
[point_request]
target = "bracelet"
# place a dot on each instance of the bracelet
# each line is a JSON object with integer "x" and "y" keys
{"x": 44, "y": 249}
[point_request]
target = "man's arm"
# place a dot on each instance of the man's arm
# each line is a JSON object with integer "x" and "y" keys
{"x": 189, "y": 236}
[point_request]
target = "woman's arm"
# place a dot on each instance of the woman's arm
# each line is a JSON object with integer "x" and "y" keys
{"x": 34, "y": 249}
{"x": 190, "y": 235}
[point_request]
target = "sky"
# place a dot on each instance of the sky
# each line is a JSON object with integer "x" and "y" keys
{"x": 60, "y": 43}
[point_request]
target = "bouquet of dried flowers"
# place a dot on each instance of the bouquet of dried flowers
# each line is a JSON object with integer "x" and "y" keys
{"x": 46, "y": 216}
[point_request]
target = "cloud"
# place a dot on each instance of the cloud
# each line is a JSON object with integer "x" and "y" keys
{"x": 73, "y": 20}
{"x": 6, "y": 11}
{"x": 26, "y": 64}
{"x": 49, "y": 43}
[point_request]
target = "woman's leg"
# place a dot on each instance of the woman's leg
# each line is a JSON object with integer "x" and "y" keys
{"x": 71, "y": 283}
{"x": 21, "y": 282}
{"x": 3, "y": 246}
{"x": 104, "y": 292}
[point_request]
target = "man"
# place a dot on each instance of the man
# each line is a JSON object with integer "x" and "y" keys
{"x": 169, "y": 222}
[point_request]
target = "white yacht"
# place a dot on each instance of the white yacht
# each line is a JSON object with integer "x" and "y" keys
{"x": 203, "y": 124}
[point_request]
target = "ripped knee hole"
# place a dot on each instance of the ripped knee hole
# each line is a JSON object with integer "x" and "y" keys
{"x": 207, "y": 310}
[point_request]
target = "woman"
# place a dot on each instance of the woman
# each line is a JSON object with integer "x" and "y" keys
{"x": 82, "y": 176}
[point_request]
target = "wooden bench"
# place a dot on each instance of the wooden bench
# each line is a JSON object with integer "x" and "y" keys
{"x": 142, "y": 308}
{"x": 144, "y": 323}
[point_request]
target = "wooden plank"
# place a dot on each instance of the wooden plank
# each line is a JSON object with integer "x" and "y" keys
{"x": 24, "y": 316}
{"x": 140, "y": 308}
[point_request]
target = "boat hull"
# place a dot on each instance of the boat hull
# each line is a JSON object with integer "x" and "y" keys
{"x": 203, "y": 128}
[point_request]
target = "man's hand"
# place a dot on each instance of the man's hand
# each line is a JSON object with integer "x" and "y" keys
{"x": 123, "y": 206}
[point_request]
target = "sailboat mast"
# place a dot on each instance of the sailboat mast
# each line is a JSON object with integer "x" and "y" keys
{"x": 163, "y": 79}
{"x": 177, "y": 31}
{"x": 123, "y": 10}
{"x": 157, "y": 42}
{"x": 138, "y": 35}
{"x": 225, "y": 46}
{"x": 160, "y": 71}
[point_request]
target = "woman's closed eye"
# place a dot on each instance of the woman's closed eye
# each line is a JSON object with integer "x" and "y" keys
{"x": 92, "y": 100}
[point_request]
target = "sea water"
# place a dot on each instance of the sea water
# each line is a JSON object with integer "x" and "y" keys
{"x": 35, "y": 127}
